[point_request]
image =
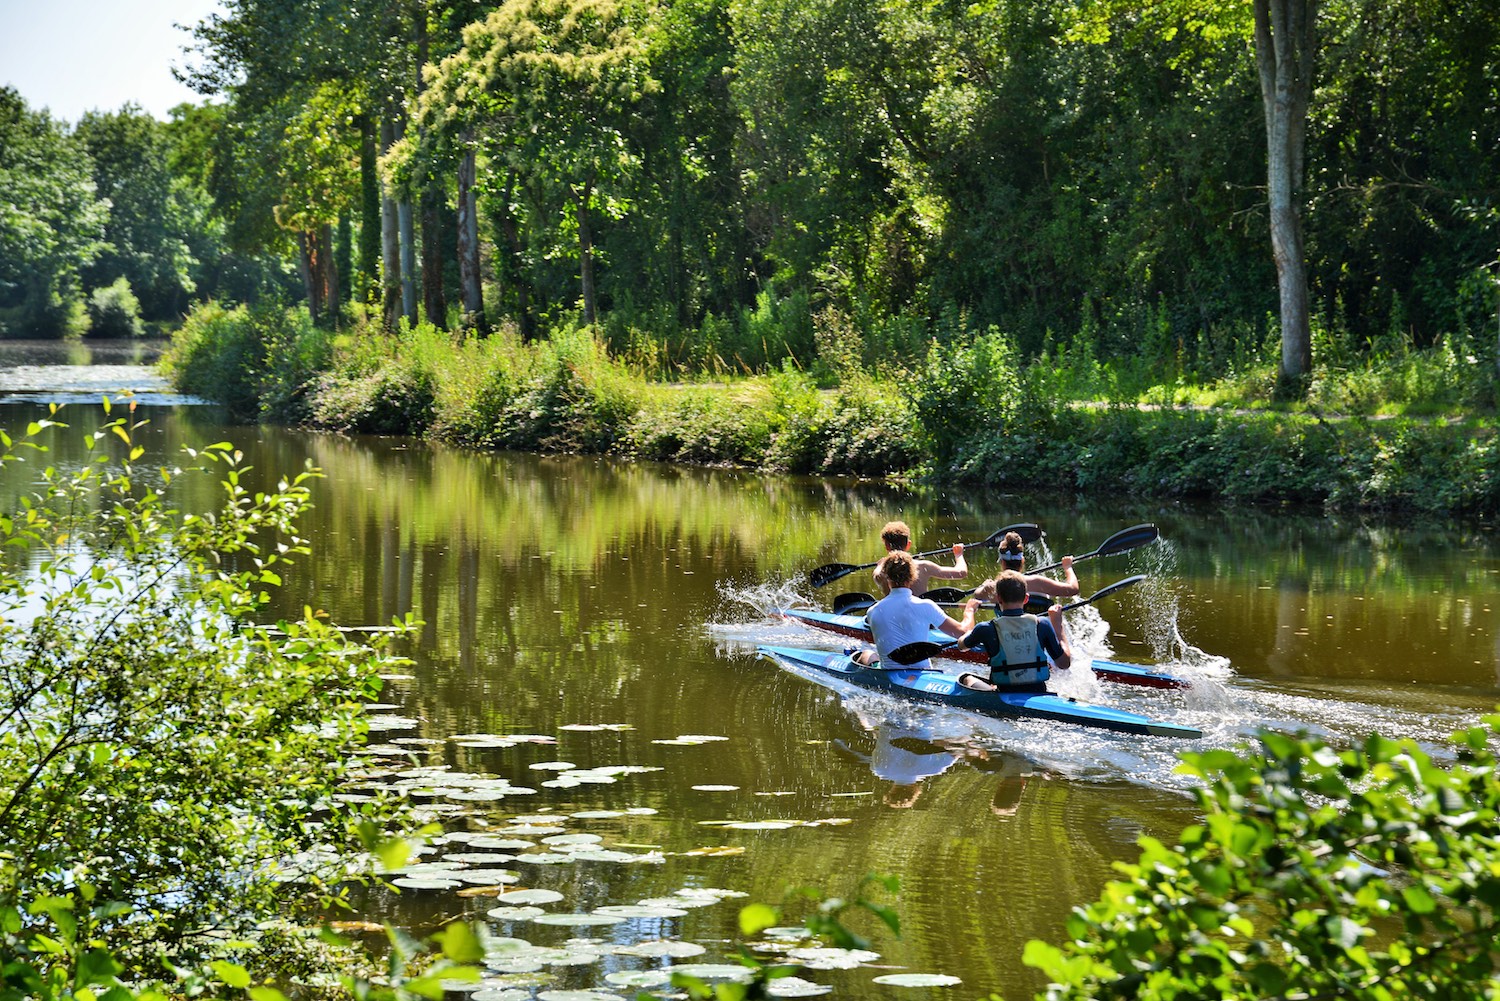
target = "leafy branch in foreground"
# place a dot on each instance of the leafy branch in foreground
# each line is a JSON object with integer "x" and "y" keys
{"x": 166, "y": 764}
{"x": 1371, "y": 872}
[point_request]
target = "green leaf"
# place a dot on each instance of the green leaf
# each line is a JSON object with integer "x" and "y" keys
{"x": 231, "y": 973}
{"x": 756, "y": 918}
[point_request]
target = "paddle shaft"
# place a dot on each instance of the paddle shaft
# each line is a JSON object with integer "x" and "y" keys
{"x": 830, "y": 572}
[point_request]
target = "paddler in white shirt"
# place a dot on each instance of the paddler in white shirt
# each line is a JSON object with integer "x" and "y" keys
{"x": 901, "y": 617}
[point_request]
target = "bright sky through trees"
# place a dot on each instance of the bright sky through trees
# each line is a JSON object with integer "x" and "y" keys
{"x": 72, "y": 56}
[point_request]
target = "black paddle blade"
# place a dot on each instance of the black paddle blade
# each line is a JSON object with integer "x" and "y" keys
{"x": 846, "y": 603}
{"x": 947, "y": 595}
{"x": 912, "y": 653}
{"x": 829, "y": 572}
{"x": 1109, "y": 589}
{"x": 1129, "y": 538}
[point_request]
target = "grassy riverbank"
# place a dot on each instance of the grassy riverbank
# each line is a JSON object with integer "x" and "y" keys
{"x": 969, "y": 413}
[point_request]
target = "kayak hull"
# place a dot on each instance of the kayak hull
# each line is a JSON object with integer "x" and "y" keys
{"x": 853, "y": 626}
{"x": 943, "y": 689}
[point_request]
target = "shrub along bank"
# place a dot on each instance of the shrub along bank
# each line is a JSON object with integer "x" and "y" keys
{"x": 968, "y": 414}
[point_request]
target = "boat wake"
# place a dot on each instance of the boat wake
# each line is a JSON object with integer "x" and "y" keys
{"x": 1230, "y": 710}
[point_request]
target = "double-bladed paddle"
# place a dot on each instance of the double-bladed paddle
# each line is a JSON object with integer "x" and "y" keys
{"x": 912, "y": 653}
{"x": 1122, "y": 541}
{"x": 830, "y": 572}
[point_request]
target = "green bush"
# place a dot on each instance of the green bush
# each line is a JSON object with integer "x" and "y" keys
{"x": 114, "y": 311}
{"x": 260, "y": 361}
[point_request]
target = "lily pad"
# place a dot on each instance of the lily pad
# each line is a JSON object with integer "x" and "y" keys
{"x": 577, "y": 996}
{"x": 489, "y": 842}
{"x": 572, "y": 839}
{"x": 479, "y": 858}
{"x": 552, "y": 766}
{"x": 665, "y": 948}
{"x": 500, "y": 994}
{"x": 714, "y": 788}
{"x": 917, "y": 980}
{"x": 761, "y": 825}
{"x": 529, "y": 896}
{"x": 832, "y": 959}
{"x": 639, "y": 978}
{"x": 709, "y": 892}
{"x": 714, "y": 971}
{"x": 426, "y": 883}
{"x": 597, "y": 814}
{"x": 577, "y": 920}
{"x": 541, "y": 819}
{"x": 487, "y": 877}
{"x": 641, "y": 811}
{"x": 514, "y": 914}
{"x": 796, "y": 987}
{"x": 545, "y": 858}
{"x": 640, "y": 911}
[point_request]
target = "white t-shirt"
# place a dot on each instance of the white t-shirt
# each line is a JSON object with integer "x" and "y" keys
{"x": 901, "y": 618}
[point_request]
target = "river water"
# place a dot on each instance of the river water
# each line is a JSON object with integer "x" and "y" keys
{"x": 586, "y": 682}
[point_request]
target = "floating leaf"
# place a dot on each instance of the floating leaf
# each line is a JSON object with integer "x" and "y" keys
{"x": 761, "y": 825}
{"x": 426, "y": 883}
{"x": 479, "y": 858}
{"x": 576, "y": 996}
{"x": 796, "y": 987}
{"x": 639, "y": 978}
{"x": 552, "y": 766}
{"x": 640, "y": 911}
{"x": 665, "y": 948}
{"x": 487, "y": 877}
{"x": 529, "y": 896}
{"x": 714, "y": 971}
{"x": 514, "y": 914}
{"x": 577, "y": 920}
{"x": 597, "y": 814}
{"x": 917, "y": 980}
{"x": 711, "y": 788}
{"x": 572, "y": 839}
{"x": 832, "y": 959}
{"x": 716, "y": 850}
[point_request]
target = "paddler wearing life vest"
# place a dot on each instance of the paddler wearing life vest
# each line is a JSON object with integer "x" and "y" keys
{"x": 1017, "y": 642}
{"x": 897, "y": 538}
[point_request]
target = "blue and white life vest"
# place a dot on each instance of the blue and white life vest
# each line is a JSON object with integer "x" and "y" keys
{"x": 1021, "y": 660}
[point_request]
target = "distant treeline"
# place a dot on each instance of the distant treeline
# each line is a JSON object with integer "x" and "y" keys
{"x": 720, "y": 183}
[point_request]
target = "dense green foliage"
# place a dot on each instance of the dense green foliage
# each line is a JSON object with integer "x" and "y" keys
{"x": 162, "y": 756}
{"x": 1370, "y": 872}
{"x": 51, "y": 222}
{"x": 710, "y": 176}
{"x": 972, "y": 414}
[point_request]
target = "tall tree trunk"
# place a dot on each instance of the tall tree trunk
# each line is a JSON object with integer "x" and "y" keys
{"x": 430, "y": 200}
{"x": 514, "y": 269}
{"x": 408, "y": 238}
{"x": 371, "y": 224}
{"x": 434, "y": 302}
{"x": 390, "y": 243}
{"x": 310, "y": 270}
{"x": 1285, "y": 52}
{"x": 586, "y": 254}
{"x": 341, "y": 266}
{"x": 468, "y": 244}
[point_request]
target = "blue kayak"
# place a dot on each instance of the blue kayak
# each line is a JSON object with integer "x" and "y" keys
{"x": 854, "y": 627}
{"x": 944, "y": 689}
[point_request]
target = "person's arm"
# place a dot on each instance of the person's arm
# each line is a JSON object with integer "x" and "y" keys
{"x": 958, "y": 571}
{"x": 961, "y": 628}
{"x": 881, "y": 582}
{"x": 1063, "y": 656}
{"x": 1065, "y": 588}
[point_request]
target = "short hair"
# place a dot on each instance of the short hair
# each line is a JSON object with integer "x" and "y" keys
{"x": 899, "y": 569}
{"x": 1010, "y": 588}
{"x": 895, "y": 535}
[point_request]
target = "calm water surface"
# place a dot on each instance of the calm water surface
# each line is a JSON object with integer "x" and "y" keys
{"x": 607, "y": 611}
